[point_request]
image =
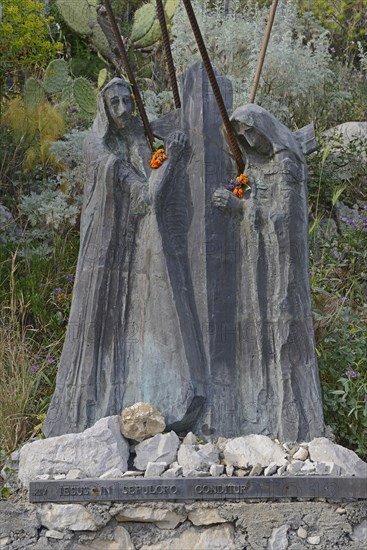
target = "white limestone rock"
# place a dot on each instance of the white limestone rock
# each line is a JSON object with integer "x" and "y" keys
{"x": 195, "y": 473}
{"x": 216, "y": 470}
{"x": 190, "y": 439}
{"x": 198, "y": 457}
{"x": 53, "y": 534}
{"x": 133, "y": 473}
{"x": 164, "y": 519}
{"x": 205, "y": 516}
{"x": 121, "y": 541}
{"x": 160, "y": 448}
{"x": 322, "y": 468}
{"x": 94, "y": 451}
{"x": 113, "y": 473}
{"x": 140, "y": 421}
{"x": 171, "y": 473}
{"x": 271, "y": 469}
{"x": 308, "y": 467}
{"x": 218, "y": 537}
{"x": 301, "y": 454}
{"x": 295, "y": 467}
{"x": 302, "y": 533}
{"x": 278, "y": 539}
{"x": 253, "y": 449}
{"x": 322, "y": 449}
{"x": 241, "y": 473}
{"x": 256, "y": 470}
{"x": 155, "y": 469}
{"x": 75, "y": 473}
{"x": 314, "y": 540}
{"x": 74, "y": 517}
{"x": 327, "y": 468}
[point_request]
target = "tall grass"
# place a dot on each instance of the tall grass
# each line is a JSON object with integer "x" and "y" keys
{"x": 18, "y": 353}
{"x": 32, "y": 325}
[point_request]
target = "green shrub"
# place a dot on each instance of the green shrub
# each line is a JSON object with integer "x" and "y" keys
{"x": 338, "y": 281}
{"x": 346, "y": 21}
{"x": 296, "y": 67}
{"x": 25, "y": 38}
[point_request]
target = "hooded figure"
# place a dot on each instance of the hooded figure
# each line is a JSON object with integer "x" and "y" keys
{"x": 124, "y": 340}
{"x": 276, "y": 366}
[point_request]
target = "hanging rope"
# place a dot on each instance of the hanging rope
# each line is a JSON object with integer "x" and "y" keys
{"x": 214, "y": 84}
{"x": 168, "y": 53}
{"x": 264, "y": 47}
{"x": 130, "y": 74}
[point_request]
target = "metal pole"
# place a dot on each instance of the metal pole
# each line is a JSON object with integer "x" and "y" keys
{"x": 264, "y": 46}
{"x": 168, "y": 53}
{"x": 213, "y": 81}
{"x": 130, "y": 74}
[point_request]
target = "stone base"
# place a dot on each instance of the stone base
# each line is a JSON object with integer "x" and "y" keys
{"x": 268, "y": 525}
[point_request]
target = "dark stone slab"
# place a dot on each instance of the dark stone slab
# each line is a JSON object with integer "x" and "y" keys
{"x": 93, "y": 490}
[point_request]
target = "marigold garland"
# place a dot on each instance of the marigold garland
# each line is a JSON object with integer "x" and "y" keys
{"x": 238, "y": 185}
{"x": 158, "y": 158}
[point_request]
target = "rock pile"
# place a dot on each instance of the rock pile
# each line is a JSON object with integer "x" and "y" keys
{"x": 194, "y": 526}
{"x": 102, "y": 451}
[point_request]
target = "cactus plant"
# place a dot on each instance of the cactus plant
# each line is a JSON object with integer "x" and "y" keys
{"x": 170, "y": 7}
{"x": 85, "y": 95}
{"x": 34, "y": 94}
{"x": 67, "y": 91}
{"x": 143, "y": 21}
{"x": 102, "y": 78}
{"x": 56, "y": 76}
{"x": 99, "y": 39}
{"x": 79, "y": 15}
{"x": 146, "y": 30}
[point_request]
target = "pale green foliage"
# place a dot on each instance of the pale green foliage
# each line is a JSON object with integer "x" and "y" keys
{"x": 57, "y": 206}
{"x": 159, "y": 104}
{"x": 69, "y": 151}
{"x": 49, "y": 208}
{"x": 296, "y": 68}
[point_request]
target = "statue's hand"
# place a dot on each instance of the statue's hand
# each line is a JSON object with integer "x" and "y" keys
{"x": 224, "y": 200}
{"x": 176, "y": 143}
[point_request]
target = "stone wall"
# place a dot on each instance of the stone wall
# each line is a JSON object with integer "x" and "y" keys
{"x": 256, "y": 525}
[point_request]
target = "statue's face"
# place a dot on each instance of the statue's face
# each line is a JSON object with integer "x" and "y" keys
{"x": 257, "y": 141}
{"x": 119, "y": 104}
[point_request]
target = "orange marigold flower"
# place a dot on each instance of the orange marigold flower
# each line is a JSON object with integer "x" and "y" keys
{"x": 238, "y": 192}
{"x": 158, "y": 158}
{"x": 243, "y": 179}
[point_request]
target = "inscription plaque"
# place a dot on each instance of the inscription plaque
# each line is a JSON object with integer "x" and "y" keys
{"x": 92, "y": 490}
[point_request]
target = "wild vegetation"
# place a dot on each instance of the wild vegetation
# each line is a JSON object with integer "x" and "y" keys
{"x": 315, "y": 71}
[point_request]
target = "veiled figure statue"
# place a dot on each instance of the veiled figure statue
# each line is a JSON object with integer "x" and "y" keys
{"x": 130, "y": 337}
{"x": 275, "y": 353}
{"x": 186, "y": 296}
